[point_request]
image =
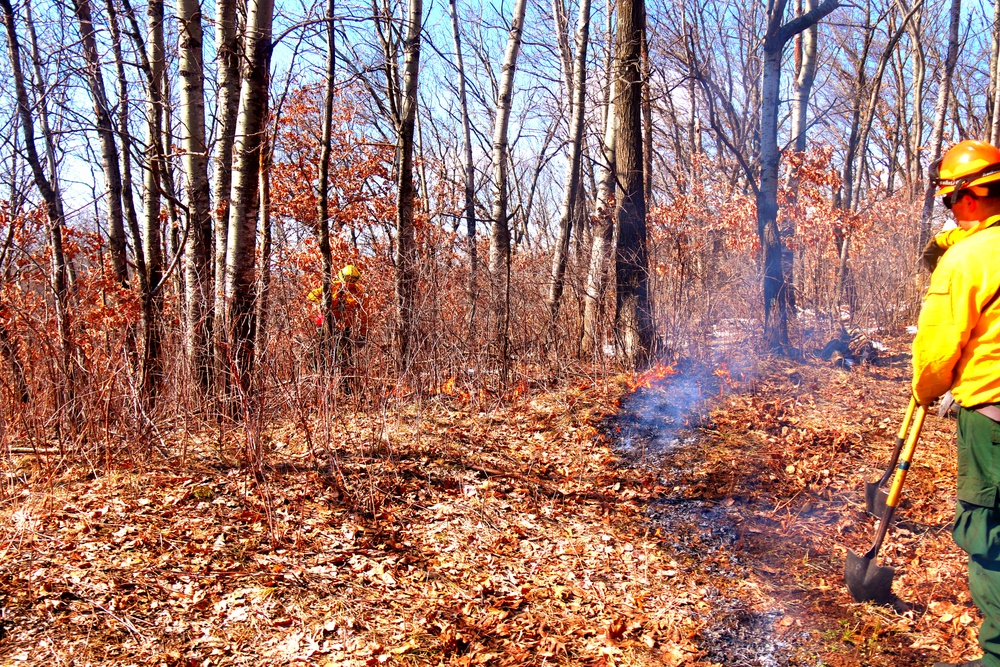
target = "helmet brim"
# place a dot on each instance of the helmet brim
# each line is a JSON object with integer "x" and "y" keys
{"x": 989, "y": 178}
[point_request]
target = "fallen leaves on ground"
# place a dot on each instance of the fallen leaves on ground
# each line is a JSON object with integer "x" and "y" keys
{"x": 523, "y": 535}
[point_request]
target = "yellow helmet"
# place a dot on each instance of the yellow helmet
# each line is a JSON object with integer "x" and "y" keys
{"x": 966, "y": 164}
{"x": 349, "y": 274}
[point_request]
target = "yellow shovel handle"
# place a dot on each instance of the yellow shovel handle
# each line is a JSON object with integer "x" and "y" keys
{"x": 905, "y": 426}
{"x": 906, "y": 456}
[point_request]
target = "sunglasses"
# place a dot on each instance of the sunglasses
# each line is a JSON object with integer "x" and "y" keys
{"x": 950, "y": 199}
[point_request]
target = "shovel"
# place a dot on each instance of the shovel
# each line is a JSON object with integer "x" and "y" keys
{"x": 866, "y": 581}
{"x": 875, "y": 495}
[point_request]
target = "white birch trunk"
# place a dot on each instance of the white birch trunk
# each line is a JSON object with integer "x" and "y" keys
{"x": 242, "y": 235}
{"x": 500, "y": 233}
{"x": 227, "y": 105}
{"x": 198, "y": 245}
{"x": 603, "y": 233}
{"x": 940, "y": 113}
{"x": 470, "y": 170}
{"x": 571, "y": 191}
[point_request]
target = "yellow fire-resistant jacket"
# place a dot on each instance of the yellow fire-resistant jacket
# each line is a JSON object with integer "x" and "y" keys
{"x": 957, "y": 345}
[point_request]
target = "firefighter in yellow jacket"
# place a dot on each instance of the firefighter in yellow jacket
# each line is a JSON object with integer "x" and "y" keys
{"x": 957, "y": 348}
{"x": 350, "y": 321}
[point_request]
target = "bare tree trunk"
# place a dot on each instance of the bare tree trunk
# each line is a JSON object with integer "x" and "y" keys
{"x": 805, "y": 75}
{"x": 9, "y": 351}
{"x": 406, "y": 251}
{"x": 603, "y": 233}
{"x": 633, "y": 318}
{"x": 940, "y": 113}
{"x": 914, "y": 171}
{"x": 571, "y": 191}
{"x": 866, "y": 100}
{"x": 500, "y": 233}
{"x": 168, "y": 191}
{"x": 128, "y": 203}
{"x": 647, "y": 119}
{"x": 198, "y": 247}
{"x": 227, "y": 40}
{"x": 61, "y": 275}
{"x": 109, "y": 149}
{"x": 264, "y": 282}
{"x": 777, "y": 35}
{"x": 470, "y": 170}
{"x": 242, "y": 236}
{"x": 562, "y": 42}
{"x": 53, "y": 203}
{"x": 152, "y": 248}
{"x": 323, "y": 221}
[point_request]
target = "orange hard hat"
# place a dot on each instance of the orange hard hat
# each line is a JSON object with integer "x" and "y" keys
{"x": 966, "y": 164}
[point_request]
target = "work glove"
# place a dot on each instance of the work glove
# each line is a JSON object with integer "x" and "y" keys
{"x": 931, "y": 255}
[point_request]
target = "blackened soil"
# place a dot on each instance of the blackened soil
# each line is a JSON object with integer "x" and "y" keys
{"x": 702, "y": 531}
{"x": 759, "y": 496}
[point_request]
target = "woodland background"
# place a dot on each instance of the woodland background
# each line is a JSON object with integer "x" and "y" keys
{"x": 526, "y": 199}
{"x": 539, "y": 196}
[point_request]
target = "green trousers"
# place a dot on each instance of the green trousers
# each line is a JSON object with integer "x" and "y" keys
{"x": 977, "y": 521}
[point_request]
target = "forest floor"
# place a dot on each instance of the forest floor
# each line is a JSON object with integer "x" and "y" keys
{"x": 700, "y": 520}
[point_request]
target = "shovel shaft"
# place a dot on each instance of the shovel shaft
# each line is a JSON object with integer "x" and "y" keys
{"x": 900, "y": 439}
{"x": 905, "y": 426}
{"x": 906, "y": 457}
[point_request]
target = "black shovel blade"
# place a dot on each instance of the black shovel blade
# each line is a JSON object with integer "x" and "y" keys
{"x": 875, "y": 499}
{"x": 866, "y": 580}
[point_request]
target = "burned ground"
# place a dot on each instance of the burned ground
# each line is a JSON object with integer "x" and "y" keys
{"x": 703, "y": 520}
{"x": 760, "y": 505}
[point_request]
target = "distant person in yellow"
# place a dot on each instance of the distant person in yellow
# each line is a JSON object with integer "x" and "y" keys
{"x": 957, "y": 348}
{"x": 347, "y": 312}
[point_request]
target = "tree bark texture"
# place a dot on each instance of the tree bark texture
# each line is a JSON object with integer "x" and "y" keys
{"x": 106, "y": 136}
{"x": 571, "y": 189}
{"x": 633, "y": 316}
{"x": 323, "y": 200}
{"x": 805, "y": 75}
{"x": 603, "y": 234}
{"x": 228, "y": 52}
{"x": 940, "y": 113}
{"x": 469, "y": 167}
{"x": 199, "y": 295}
{"x": 406, "y": 251}
{"x": 242, "y": 235}
{"x": 776, "y": 36}
{"x": 151, "y": 244}
{"x": 500, "y": 233}
{"x": 125, "y": 136}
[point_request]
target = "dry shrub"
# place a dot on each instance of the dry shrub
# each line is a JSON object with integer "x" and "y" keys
{"x": 704, "y": 289}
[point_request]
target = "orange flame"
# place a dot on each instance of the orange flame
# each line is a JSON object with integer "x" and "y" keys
{"x": 448, "y": 389}
{"x": 646, "y": 380}
{"x": 520, "y": 390}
